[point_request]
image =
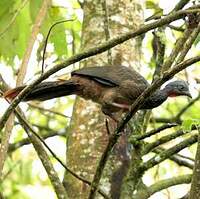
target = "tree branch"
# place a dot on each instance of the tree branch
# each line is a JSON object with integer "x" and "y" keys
{"x": 32, "y": 105}
{"x": 177, "y": 158}
{"x": 20, "y": 78}
{"x": 158, "y": 46}
{"x": 182, "y": 111}
{"x": 35, "y": 30}
{"x": 42, "y": 154}
{"x": 176, "y": 50}
{"x": 153, "y": 132}
{"x": 162, "y": 140}
{"x": 26, "y": 141}
{"x": 180, "y": 29}
{"x": 162, "y": 184}
{"x": 177, "y": 118}
{"x": 35, "y": 138}
{"x": 167, "y": 153}
{"x": 180, "y": 5}
{"x": 187, "y": 45}
{"x": 91, "y": 52}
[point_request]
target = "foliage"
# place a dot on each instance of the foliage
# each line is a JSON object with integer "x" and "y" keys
{"x": 17, "y": 20}
{"x": 17, "y": 17}
{"x": 187, "y": 124}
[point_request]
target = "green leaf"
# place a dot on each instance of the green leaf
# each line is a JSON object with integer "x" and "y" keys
{"x": 197, "y": 40}
{"x": 16, "y": 32}
{"x": 188, "y": 123}
{"x": 154, "y": 6}
{"x": 150, "y": 5}
{"x": 5, "y": 6}
{"x": 23, "y": 28}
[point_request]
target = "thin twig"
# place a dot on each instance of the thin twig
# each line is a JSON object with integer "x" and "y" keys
{"x": 180, "y": 29}
{"x": 180, "y": 5}
{"x": 48, "y": 110}
{"x": 35, "y": 30}
{"x": 162, "y": 184}
{"x": 186, "y": 157}
{"x": 149, "y": 147}
{"x": 165, "y": 120}
{"x": 169, "y": 152}
{"x": 154, "y": 131}
{"x": 107, "y": 127}
{"x": 25, "y": 141}
{"x": 187, "y": 45}
{"x": 176, "y": 158}
{"x": 176, "y": 50}
{"x": 10, "y": 171}
{"x": 47, "y": 37}
{"x": 182, "y": 111}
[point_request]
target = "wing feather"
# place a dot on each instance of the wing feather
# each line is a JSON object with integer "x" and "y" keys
{"x": 112, "y": 75}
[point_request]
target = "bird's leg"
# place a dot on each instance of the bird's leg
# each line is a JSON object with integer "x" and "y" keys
{"x": 112, "y": 117}
{"x": 114, "y": 111}
{"x": 122, "y": 106}
{"x": 108, "y": 113}
{"x": 113, "y": 121}
{"x": 127, "y": 129}
{"x": 107, "y": 126}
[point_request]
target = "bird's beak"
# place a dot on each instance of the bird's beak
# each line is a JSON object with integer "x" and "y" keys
{"x": 188, "y": 94}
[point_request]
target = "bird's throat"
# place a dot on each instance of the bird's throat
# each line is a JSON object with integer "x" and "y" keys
{"x": 156, "y": 99}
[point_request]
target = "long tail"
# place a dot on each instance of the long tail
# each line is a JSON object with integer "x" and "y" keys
{"x": 46, "y": 90}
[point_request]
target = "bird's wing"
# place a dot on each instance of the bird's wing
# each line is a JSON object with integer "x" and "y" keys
{"x": 111, "y": 75}
{"x": 99, "y": 74}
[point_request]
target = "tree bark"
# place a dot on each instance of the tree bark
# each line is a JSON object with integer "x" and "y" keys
{"x": 89, "y": 136}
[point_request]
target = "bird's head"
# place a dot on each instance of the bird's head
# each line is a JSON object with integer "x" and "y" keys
{"x": 177, "y": 88}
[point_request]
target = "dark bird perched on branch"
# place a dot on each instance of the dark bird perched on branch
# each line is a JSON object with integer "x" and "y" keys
{"x": 115, "y": 88}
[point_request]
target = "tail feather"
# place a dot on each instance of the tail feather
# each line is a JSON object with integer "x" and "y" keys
{"x": 11, "y": 94}
{"x": 45, "y": 90}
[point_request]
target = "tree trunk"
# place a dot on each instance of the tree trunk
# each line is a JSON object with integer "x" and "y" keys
{"x": 102, "y": 20}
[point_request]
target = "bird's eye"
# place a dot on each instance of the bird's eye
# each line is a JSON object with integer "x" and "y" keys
{"x": 181, "y": 87}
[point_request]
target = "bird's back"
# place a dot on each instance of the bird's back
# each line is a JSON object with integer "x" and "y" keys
{"x": 112, "y": 75}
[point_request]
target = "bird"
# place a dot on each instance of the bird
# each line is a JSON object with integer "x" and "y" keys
{"x": 115, "y": 88}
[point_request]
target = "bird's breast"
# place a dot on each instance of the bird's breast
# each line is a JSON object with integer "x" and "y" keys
{"x": 89, "y": 89}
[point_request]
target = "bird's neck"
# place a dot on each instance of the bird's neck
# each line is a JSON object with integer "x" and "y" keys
{"x": 156, "y": 99}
